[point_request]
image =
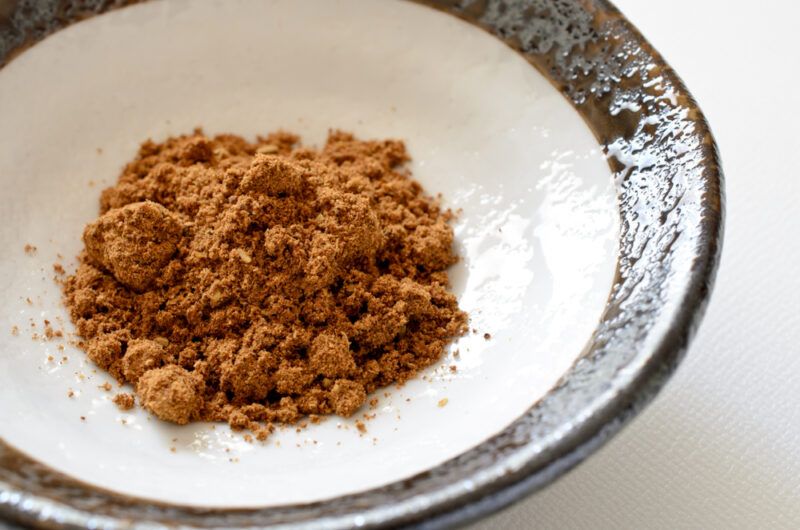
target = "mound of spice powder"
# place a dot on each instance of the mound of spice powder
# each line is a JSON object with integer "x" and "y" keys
{"x": 257, "y": 283}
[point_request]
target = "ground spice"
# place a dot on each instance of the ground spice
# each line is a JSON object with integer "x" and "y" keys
{"x": 261, "y": 282}
{"x": 124, "y": 401}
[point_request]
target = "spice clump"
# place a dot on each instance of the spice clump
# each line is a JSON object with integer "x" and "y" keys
{"x": 255, "y": 283}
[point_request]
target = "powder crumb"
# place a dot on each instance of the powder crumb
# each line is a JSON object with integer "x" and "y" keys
{"x": 51, "y": 333}
{"x": 268, "y": 149}
{"x": 172, "y": 393}
{"x": 263, "y": 432}
{"x": 59, "y": 269}
{"x": 124, "y": 401}
{"x": 15, "y": 330}
{"x": 173, "y": 449}
{"x": 456, "y": 354}
{"x": 28, "y": 301}
{"x": 50, "y": 358}
{"x": 30, "y": 249}
{"x": 242, "y": 255}
{"x": 261, "y": 283}
{"x": 453, "y": 368}
{"x": 443, "y": 402}
{"x": 487, "y": 336}
{"x": 373, "y": 402}
{"x": 70, "y": 393}
{"x": 83, "y": 418}
{"x": 361, "y": 427}
{"x": 105, "y": 386}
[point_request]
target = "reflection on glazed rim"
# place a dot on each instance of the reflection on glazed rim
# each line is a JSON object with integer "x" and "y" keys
{"x": 669, "y": 187}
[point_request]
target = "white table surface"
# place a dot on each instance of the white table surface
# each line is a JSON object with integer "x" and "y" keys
{"x": 720, "y": 446}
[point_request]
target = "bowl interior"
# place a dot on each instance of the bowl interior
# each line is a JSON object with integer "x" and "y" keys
{"x": 537, "y": 231}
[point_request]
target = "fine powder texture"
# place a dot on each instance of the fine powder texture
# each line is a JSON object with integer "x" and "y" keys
{"x": 256, "y": 283}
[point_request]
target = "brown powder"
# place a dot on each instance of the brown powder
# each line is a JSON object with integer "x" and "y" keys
{"x": 50, "y": 333}
{"x": 124, "y": 401}
{"x": 262, "y": 282}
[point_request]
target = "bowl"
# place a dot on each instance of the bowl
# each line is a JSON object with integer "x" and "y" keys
{"x": 590, "y": 201}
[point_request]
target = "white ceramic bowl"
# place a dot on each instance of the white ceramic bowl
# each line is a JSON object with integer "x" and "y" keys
{"x": 539, "y": 234}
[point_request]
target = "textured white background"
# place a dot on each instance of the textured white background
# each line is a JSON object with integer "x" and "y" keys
{"x": 720, "y": 447}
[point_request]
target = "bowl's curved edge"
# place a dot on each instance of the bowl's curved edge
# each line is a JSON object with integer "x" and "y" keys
{"x": 665, "y": 359}
{"x": 580, "y": 60}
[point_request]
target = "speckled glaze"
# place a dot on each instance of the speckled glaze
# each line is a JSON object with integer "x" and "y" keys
{"x": 669, "y": 184}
